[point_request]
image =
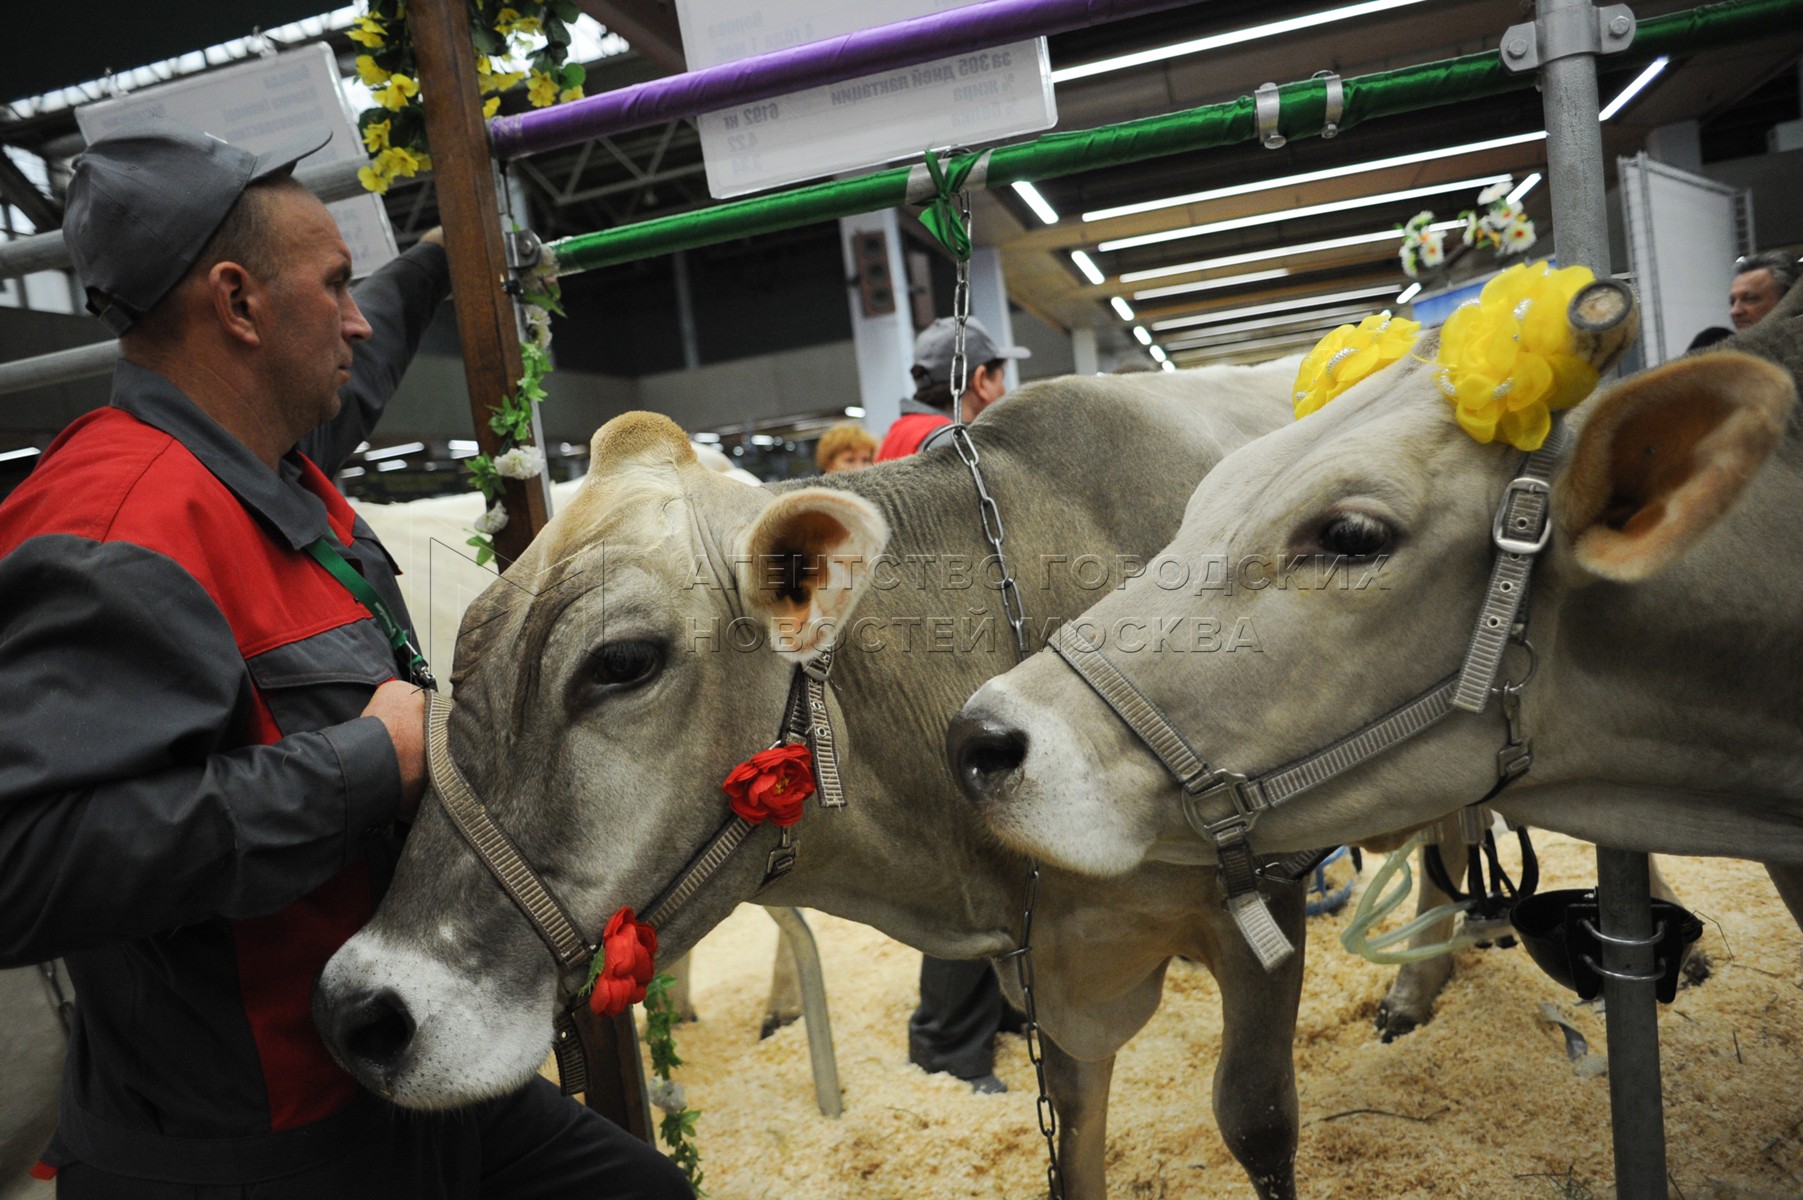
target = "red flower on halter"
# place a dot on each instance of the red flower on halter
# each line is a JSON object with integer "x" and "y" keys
{"x": 627, "y": 950}
{"x": 771, "y": 784}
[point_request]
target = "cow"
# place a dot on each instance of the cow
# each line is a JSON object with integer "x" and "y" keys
{"x": 1657, "y": 702}
{"x": 612, "y": 678}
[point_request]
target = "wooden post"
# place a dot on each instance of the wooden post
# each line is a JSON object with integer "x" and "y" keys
{"x": 469, "y": 209}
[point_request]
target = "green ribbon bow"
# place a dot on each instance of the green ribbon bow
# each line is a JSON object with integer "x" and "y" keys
{"x": 941, "y": 217}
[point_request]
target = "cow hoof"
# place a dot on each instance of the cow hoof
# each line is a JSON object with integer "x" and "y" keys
{"x": 1393, "y": 1023}
{"x": 772, "y": 1023}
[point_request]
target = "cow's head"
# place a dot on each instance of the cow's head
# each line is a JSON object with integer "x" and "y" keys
{"x": 605, "y": 686}
{"x": 1331, "y": 571}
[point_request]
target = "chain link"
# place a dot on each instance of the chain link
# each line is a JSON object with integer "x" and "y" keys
{"x": 1023, "y": 967}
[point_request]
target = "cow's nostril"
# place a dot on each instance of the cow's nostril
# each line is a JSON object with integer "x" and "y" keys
{"x": 985, "y": 754}
{"x": 376, "y": 1029}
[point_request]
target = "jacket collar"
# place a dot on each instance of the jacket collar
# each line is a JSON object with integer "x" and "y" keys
{"x": 282, "y": 498}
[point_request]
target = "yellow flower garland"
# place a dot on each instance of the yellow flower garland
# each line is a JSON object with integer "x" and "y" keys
{"x": 1349, "y": 354}
{"x": 1508, "y": 360}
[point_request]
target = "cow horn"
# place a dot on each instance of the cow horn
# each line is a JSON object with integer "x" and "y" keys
{"x": 1604, "y": 318}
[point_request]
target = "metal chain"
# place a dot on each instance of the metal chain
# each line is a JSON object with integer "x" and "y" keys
{"x": 1023, "y": 966}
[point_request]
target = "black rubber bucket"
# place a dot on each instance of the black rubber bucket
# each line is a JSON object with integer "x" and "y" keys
{"x": 1557, "y": 928}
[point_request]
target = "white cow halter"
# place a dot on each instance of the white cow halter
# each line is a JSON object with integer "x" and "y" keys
{"x": 1223, "y": 806}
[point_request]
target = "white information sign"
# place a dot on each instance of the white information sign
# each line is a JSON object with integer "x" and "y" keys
{"x": 258, "y": 105}
{"x": 982, "y": 95}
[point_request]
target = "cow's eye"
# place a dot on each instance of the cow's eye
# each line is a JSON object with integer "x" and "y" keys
{"x": 621, "y": 666}
{"x": 1356, "y": 535}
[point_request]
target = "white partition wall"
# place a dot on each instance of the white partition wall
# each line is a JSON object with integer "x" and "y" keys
{"x": 1684, "y": 233}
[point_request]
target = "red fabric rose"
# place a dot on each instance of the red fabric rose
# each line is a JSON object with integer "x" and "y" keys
{"x": 771, "y": 784}
{"x": 628, "y": 948}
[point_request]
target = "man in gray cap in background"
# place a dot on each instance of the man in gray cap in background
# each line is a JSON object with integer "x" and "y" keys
{"x": 207, "y": 743}
{"x": 931, "y": 406}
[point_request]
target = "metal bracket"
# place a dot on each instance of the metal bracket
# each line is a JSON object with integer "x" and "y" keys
{"x": 1336, "y": 103}
{"x": 524, "y": 250}
{"x": 1564, "y": 32}
{"x": 1267, "y": 106}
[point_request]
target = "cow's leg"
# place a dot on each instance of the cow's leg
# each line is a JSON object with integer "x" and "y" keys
{"x": 678, "y": 971}
{"x": 1410, "y": 1002}
{"x": 1788, "y": 879}
{"x": 1255, "y": 1077}
{"x": 784, "y": 1006}
{"x": 1697, "y": 966}
{"x": 1080, "y": 1096}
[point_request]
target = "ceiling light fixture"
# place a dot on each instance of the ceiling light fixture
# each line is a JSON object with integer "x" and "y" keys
{"x": 394, "y": 451}
{"x": 1216, "y": 41}
{"x": 1524, "y": 187}
{"x": 1265, "y": 185}
{"x": 1633, "y": 89}
{"x": 1275, "y": 306}
{"x": 1122, "y": 307}
{"x": 1234, "y": 260}
{"x": 1045, "y": 212}
{"x": 1087, "y": 265}
{"x": 24, "y": 452}
{"x": 1209, "y": 285}
{"x": 1292, "y": 323}
{"x": 1409, "y": 292}
{"x": 854, "y": 410}
{"x": 1139, "y": 332}
{"x": 1157, "y": 352}
{"x": 1292, "y": 214}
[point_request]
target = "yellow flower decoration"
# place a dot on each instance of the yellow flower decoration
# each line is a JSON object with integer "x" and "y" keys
{"x": 399, "y": 90}
{"x": 508, "y": 22}
{"x": 372, "y": 179}
{"x": 375, "y": 135}
{"x": 1509, "y": 359}
{"x": 1349, "y": 354}
{"x": 367, "y": 31}
{"x": 369, "y": 72}
{"x": 398, "y": 163}
{"x": 542, "y": 91}
{"x": 490, "y": 107}
{"x": 567, "y": 94}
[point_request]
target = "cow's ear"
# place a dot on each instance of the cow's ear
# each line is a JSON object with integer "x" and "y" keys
{"x": 805, "y": 562}
{"x": 1662, "y": 455}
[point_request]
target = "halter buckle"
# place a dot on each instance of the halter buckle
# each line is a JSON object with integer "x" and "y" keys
{"x": 1245, "y": 796}
{"x": 1518, "y": 541}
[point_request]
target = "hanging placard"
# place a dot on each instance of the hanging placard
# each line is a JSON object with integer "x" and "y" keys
{"x": 981, "y": 95}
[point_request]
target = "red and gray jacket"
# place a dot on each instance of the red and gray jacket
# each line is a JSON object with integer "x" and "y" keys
{"x": 192, "y": 813}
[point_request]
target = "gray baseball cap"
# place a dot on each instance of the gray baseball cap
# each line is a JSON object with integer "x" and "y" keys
{"x": 933, "y": 348}
{"x": 145, "y": 200}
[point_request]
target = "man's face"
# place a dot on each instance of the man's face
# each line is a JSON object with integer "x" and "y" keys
{"x": 1751, "y": 296}
{"x": 317, "y": 323}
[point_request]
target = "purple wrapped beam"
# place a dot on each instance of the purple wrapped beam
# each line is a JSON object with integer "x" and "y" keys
{"x": 866, "y": 52}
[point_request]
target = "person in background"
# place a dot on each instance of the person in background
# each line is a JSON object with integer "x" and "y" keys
{"x": 1760, "y": 281}
{"x": 208, "y": 747}
{"x": 847, "y": 446}
{"x": 930, "y": 408}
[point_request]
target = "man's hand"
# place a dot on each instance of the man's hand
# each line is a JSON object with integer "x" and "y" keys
{"x": 402, "y": 708}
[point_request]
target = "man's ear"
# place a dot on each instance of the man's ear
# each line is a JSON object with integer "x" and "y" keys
{"x": 1663, "y": 455}
{"x": 805, "y": 562}
{"x": 236, "y": 299}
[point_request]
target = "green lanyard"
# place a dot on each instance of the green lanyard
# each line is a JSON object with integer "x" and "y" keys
{"x": 327, "y": 553}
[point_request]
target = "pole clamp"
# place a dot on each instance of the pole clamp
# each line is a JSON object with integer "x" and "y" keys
{"x": 1336, "y": 102}
{"x": 1267, "y": 106}
{"x": 1565, "y": 32}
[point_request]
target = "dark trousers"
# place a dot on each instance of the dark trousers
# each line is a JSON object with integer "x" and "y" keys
{"x": 532, "y": 1145}
{"x": 961, "y": 1008}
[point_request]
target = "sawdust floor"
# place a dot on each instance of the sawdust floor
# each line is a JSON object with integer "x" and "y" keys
{"x": 1481, "y": 1103}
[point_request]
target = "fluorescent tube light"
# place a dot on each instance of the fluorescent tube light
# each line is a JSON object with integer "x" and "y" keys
{"x": 395, "y": 451}
{"x": 1045, "y": 212}
{"x": 1168, "y": 365}
{"x": 1233, "y": 38}
{"x": 392, "y": 464}
{"x": 1144, "y": 338}
{"x": 1234, "y": 260}
{"x": 1291, "y": 214}
{"x": 1409, "y": 292}
{"x": 1633, "y": 89}
{"x": 1157, "y": 352}
{"x": 1293, "y": 322}
{"x": 26, "y": 452}
{"x": 1265, "y": 185}
{"x": 1524, "y": 187}
{"x": 1122, "y": 307}
{"x": 352, "y": 473}
{"x": 1209, "y": 285}
{"x": 854, "y": 411}
{"x": 1087, "y": 265}
{"x": 1259, "y": 310}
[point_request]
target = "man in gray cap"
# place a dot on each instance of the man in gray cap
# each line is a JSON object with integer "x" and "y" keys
{"x": 931, "y": 406}
{"x": 207, "y": 741}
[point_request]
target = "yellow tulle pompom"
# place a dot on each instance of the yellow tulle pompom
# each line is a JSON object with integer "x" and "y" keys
{"x": 1349, "y": 354}
{"x": 1508, "y": 359}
